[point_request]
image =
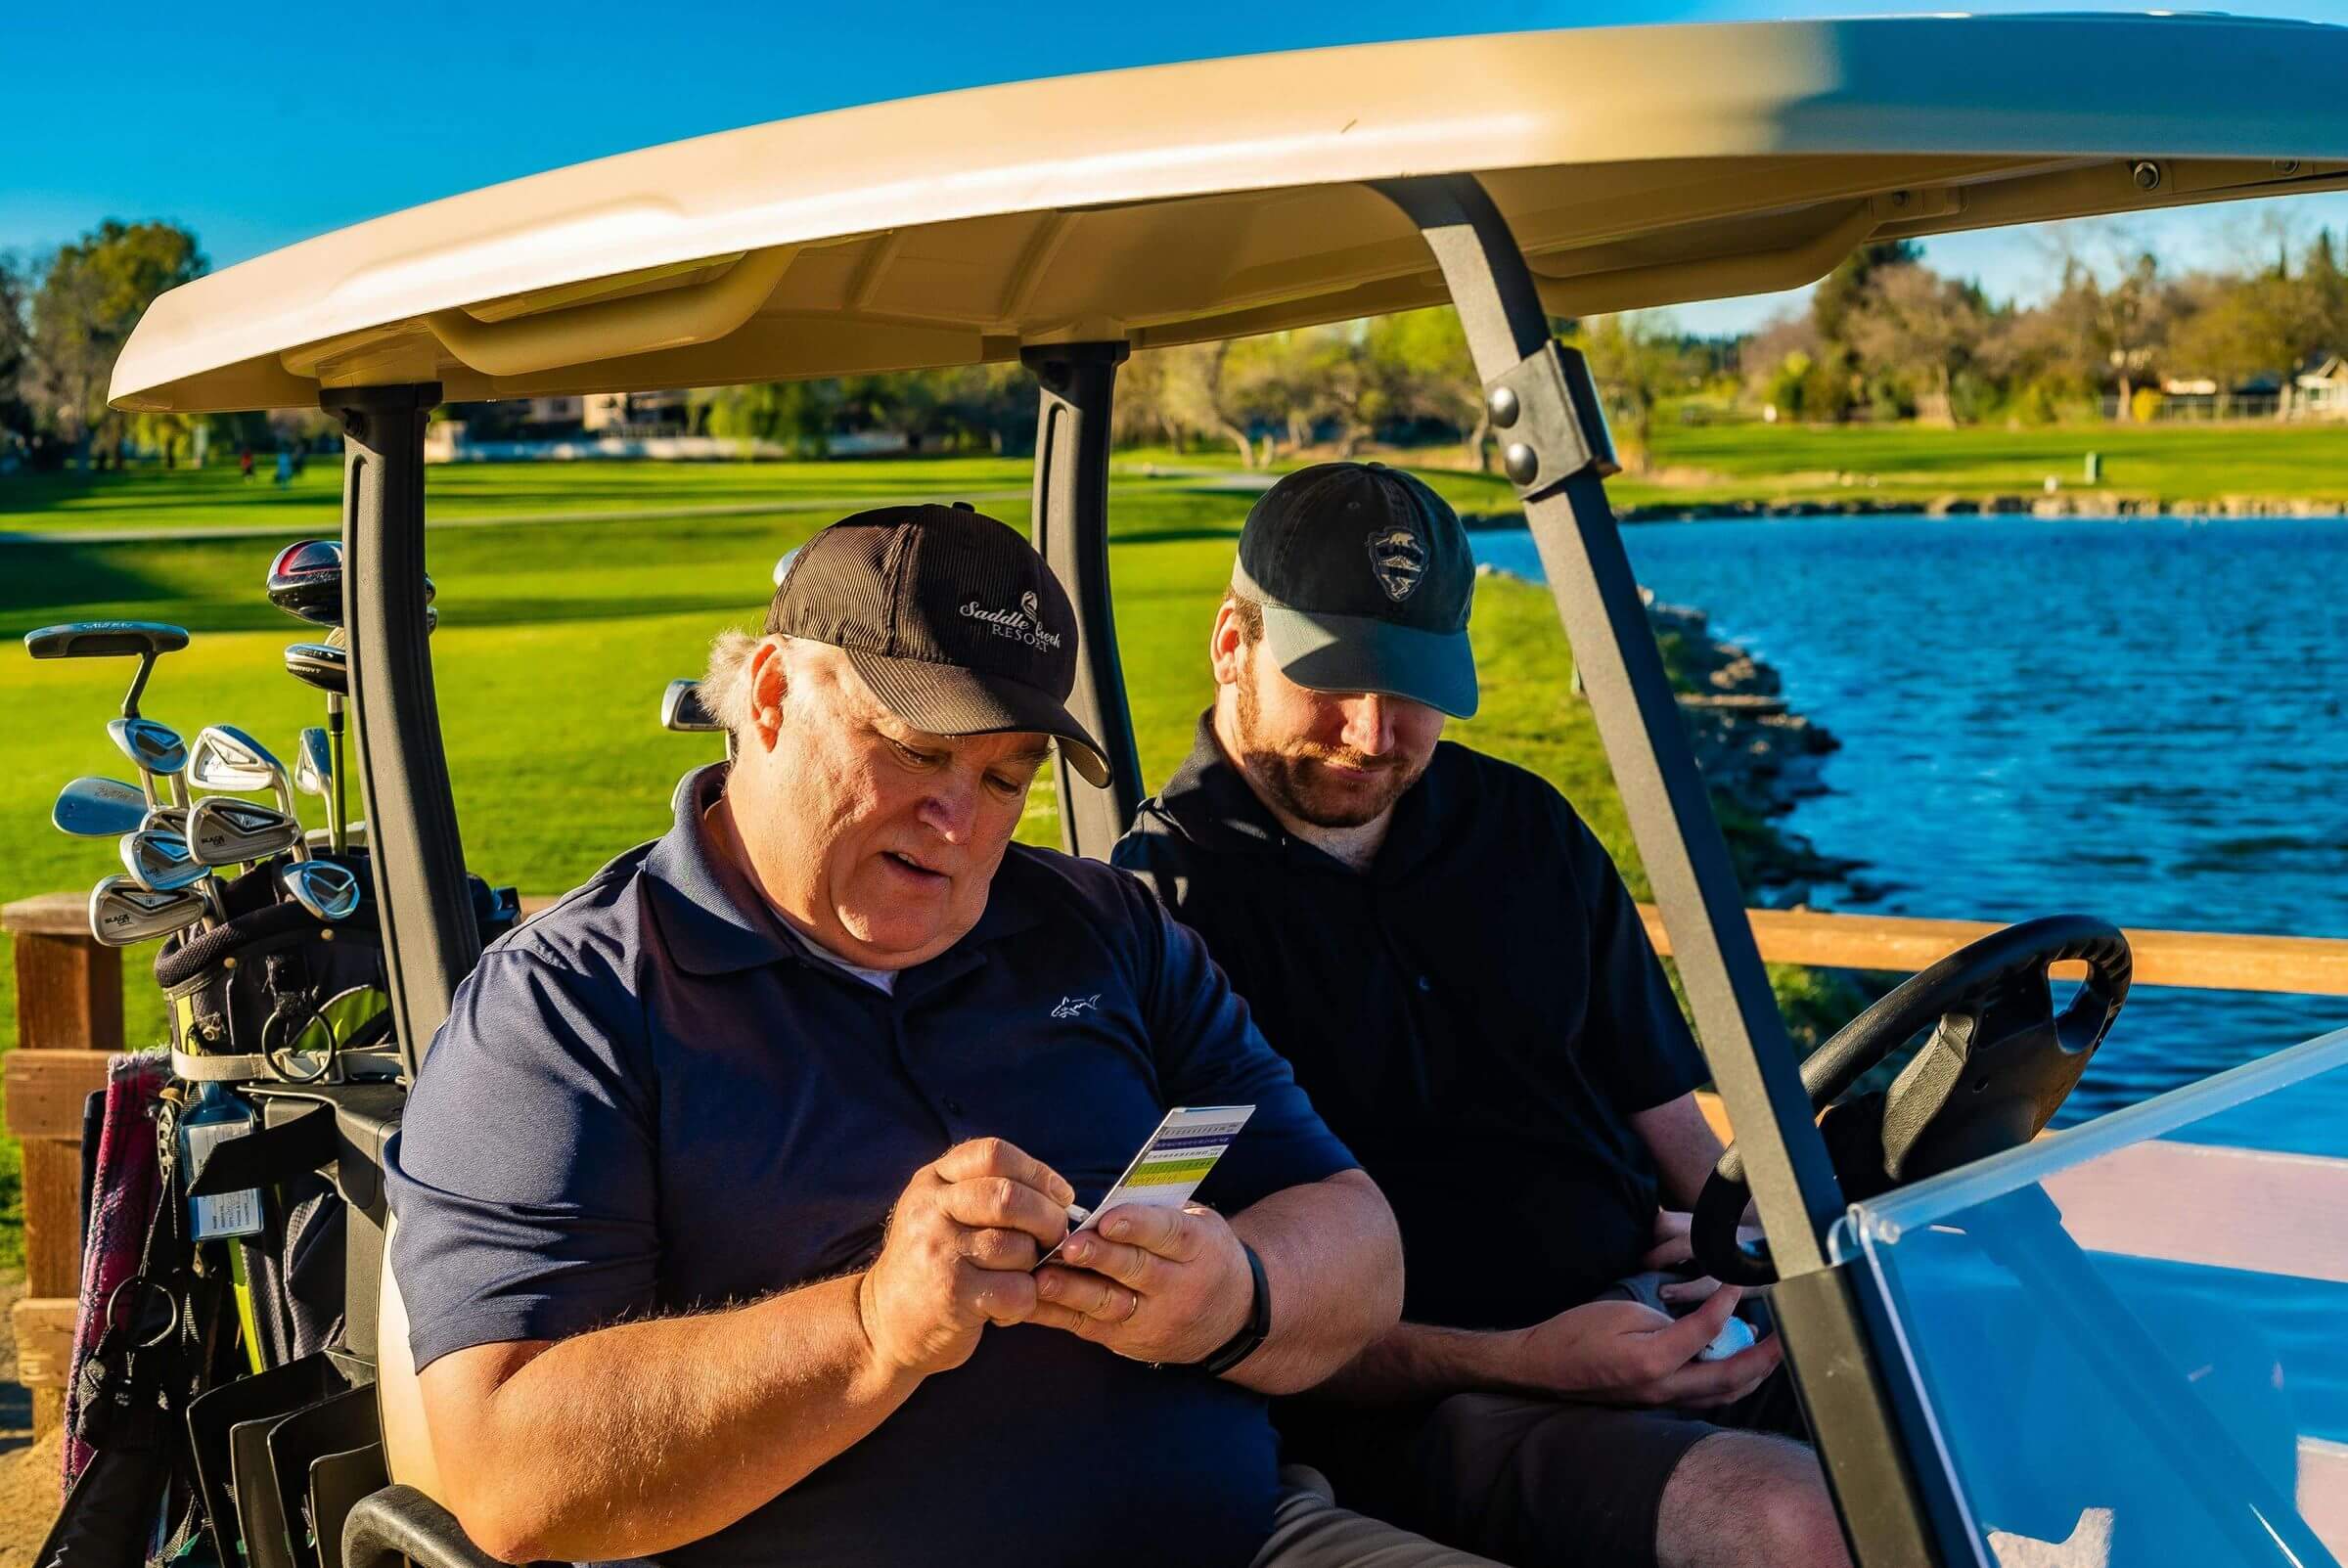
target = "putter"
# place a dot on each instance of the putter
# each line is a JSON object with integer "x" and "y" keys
{"x": 328, "y": 890}
{"x": 227, "y": 758}
{"x": 101, "y": 808}
{"x": 153, "y": 748}
{"x": 122, "y": 912}
{"x": 158, "y": 861}
{"x": 226, "y": 832}
{"x": 314, "y": 774}
{"x": 149, "y": 640}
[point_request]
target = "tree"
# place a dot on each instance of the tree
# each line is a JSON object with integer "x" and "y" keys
{"x": 1634, "y": 359}
{"x": 1439, "y": 378}
{"x": 1914, "y": 325}
{"x": 92, "y": 293}
{"x": 1841, "y": 291}
{"x": 15, "y": 350}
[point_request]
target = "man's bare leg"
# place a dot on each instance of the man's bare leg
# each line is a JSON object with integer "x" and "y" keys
{"x": 1749, "y": 1500}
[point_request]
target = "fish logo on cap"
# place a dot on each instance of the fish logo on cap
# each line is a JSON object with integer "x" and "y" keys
{"x": 1398, "y": 556}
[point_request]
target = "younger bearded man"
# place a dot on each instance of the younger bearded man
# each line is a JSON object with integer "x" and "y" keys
{"x": 1454, "y": 968}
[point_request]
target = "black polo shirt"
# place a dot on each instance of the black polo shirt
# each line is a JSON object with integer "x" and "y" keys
{"x": 652, "y": 1099}
{"x": 1477, "y": 1016}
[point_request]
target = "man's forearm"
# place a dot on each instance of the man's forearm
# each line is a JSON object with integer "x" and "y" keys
{"x": 1332, "y": 1259}
{"x": 639, "y": 1438}
{"x": 1414, "y": 1360}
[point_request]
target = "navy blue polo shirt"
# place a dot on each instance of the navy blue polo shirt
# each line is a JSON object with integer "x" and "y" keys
{"x": 652, "y": 1099}
{"x": 1477, "y": 1015}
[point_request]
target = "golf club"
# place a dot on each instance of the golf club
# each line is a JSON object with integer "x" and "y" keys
{"x": 314, "y": 774}
{"x": 122, "y": 912}
{"x": 99, "y": 807}
{"x": 149, "y": 640}
{"x": 225, "y": 757}
{"x": 327, "y": 666}
{"x": 683, "y": 711}
{"x": 158, "y": 861}
{"x": 153, "y": 748}
{"x": 223, "y": 831}
{"x": 328, "y": 890}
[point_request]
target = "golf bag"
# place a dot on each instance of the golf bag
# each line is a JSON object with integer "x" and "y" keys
{"x": 222, "y": 1406}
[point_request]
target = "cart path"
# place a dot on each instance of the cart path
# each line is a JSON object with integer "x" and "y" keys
{"x": 1240, "y": 484}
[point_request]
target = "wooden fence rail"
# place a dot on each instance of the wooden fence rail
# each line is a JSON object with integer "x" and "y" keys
{"x": 69, "y": 1019}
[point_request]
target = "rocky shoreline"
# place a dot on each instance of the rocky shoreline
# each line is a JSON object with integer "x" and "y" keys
{"x": 1760, "y": 757}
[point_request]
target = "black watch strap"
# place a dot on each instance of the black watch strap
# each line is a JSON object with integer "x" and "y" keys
{"x": 1253, "y": 1332}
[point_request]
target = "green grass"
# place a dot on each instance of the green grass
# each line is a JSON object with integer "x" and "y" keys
{"x": 555, "y": 640}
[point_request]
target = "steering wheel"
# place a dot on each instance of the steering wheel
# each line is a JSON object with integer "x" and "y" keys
{"x": 1999, "y": 1063}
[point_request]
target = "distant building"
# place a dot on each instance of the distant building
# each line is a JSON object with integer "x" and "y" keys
{"x": 640, "y": 413}
{"x": 2322, "y": 389}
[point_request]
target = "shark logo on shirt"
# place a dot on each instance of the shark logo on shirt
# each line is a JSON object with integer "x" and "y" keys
{"x": 1077, "y": 1007}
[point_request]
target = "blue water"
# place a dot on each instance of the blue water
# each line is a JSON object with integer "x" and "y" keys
{"x": 2140, "y": 719}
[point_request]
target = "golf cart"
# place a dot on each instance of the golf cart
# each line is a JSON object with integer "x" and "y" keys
{"x": 1979, "y": 1385}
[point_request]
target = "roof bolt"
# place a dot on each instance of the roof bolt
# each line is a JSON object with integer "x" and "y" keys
{"x": 2286, "y": 165}
{"x": 1899, "y": 198}
{"x": 1520, "y": 462}
{"x": 2147, "y": 175}
{"x": 1502, "y": 401}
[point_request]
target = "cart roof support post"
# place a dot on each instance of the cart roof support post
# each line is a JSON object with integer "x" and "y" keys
{"x": 430, "y": 941}
{"x": 1070, "y": 524}
{"x": 1556, "y": 451}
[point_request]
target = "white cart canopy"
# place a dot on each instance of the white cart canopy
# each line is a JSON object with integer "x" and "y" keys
{"x": 1638, "y": 167}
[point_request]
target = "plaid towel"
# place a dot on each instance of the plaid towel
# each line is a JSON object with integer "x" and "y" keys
{"x": 129, "y": 1184}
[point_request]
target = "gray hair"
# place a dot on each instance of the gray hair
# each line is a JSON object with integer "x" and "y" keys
{"x": 725, "y": 689}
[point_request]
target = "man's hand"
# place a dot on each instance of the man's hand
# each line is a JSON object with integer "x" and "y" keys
{"x": 960, "y": 1246}
{"x": 1153, "y": 1284}
{"x": 1624, "y": 1352}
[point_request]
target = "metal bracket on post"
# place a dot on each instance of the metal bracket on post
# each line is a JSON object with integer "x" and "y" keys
{"x": 430, "y": 941}
{"x": 1551, "y": 423}
{"x": 1070, "y": 524}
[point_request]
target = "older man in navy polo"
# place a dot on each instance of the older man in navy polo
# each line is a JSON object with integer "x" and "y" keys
{"x": 722, "y": 1193}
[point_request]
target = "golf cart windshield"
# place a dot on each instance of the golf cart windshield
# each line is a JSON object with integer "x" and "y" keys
{"x": 2128, "y": 1334}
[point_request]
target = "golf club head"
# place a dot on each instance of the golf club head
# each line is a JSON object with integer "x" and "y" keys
{"x": 154, "y": 749}
{"x": 170, "y": 818}
{"x": 225, "y": 757}
{"x": 158, "y": 861}
{"x": 99, "y": 807}
{"x": 682, "y": 709}
{"x": 320, "y": 665}
{"x": 106, "y": 640}
{"x": 305, "y": 581}
{"x": 328, "y": 890}
{"x": 147, "y": 640}
{"x": 122, "y": 912}
{"x": 314, "y": 763}
{"x": 222, "y": 832}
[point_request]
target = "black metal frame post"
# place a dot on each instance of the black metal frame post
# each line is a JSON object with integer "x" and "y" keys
{"x": 1556, "y": 451}
{"x": 1070, "y": 521}
{"x": 430, "y": 941}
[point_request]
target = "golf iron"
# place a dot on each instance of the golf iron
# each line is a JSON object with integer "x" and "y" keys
{"x": 158, "y": 861}
{"x": 99, "y": 808}
{"x": 328, "y": 890}
{"x": 225, "y": 757}
{"x": 122, "y": 913}
{"x": 225, "y": 831}
{"x": 153, "y": 748}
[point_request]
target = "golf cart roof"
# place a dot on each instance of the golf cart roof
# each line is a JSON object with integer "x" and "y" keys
{"x": 1638, "y": 167}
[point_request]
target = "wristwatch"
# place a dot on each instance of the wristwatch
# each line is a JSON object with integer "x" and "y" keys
{"x": 1253, "y": 1332}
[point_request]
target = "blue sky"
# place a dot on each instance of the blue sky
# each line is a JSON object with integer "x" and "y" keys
{"x": 265, "y": 124}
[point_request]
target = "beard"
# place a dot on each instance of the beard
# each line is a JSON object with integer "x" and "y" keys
{"x": 1296, "y": 776}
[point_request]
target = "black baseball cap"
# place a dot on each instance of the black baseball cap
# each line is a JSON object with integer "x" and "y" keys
{"x": 1364, "y": 578}
{"x": 952, "y": 619}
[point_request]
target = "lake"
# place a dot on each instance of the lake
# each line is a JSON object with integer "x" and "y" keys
{"x": 2141, "y": 719}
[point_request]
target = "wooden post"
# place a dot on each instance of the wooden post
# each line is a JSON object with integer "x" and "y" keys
{"x": 68, "y": 1019}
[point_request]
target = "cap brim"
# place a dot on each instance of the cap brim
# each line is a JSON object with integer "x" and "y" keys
{"x": 948, "y": 699}
{"x": 1358, "y": 653}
